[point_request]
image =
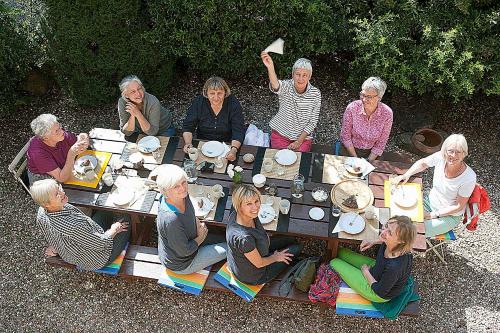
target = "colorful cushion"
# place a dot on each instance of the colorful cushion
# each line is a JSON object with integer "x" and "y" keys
{"x": 189, "y": 283}
{"x": 352, "y": 304}
{"x": 227, "y": 279}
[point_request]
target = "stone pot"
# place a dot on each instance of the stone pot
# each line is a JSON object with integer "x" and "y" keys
{"x": 427, "y": 140}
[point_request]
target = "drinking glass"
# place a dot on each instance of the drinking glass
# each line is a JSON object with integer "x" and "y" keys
{"x": 298, "y": 186}
{"x": 336, "y": 211}
{"x": 272, "y": 190}
{"x": 190, "y": 168}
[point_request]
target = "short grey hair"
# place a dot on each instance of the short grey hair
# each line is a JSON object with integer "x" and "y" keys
{"x": 455, "y": 140}
{"x": 42, "y": 189}
{"x": 303, "y": 63}
{"x": 375, "y": 83}
{"x": 42, "y": 124}
{"x": 168, "y": 176}
{"x": 126, "y": 81}
{"x": 216, "y": 83}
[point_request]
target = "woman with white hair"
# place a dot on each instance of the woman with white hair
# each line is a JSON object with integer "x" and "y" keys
{"x": 142, "y": 112}
{"x": 367, "y": 122}
{"x": 184, "y": 244}
{"x": 299, "y": 106}
{"x": 51, "y": 152}
{"x": 75, "y": 237}
{"x": 452, "y": 184}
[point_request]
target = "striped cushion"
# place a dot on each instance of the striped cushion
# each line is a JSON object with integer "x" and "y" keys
{"x": 450, "y": 235}
{"x": 227, "y": 279}
{"x": 188, "y": 283}
{"x": 352, "y": 304}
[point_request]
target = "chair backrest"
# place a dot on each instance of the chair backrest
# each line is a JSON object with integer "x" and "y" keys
{"x": 478, "y": 203}
{"x": 18, "y": 167}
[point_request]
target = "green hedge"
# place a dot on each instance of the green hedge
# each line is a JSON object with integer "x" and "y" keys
{"x": 93, "y": 44}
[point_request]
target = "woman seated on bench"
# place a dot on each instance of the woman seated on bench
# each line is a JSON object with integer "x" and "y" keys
{"x": 184, "y": 244}
{"x": 249, "y": 245}
{"x": 75, "y": 237}
{"x": 51, "y": 152}
{"x": 452, "y": 185}
{"x": 383, "y": 278}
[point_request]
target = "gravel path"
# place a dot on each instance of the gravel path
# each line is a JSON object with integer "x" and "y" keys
{"x": 462, "y": 296}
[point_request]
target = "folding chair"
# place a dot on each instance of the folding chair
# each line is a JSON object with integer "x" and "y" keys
{"x": 18, "y": 167}
{"x": 440, "y": 240}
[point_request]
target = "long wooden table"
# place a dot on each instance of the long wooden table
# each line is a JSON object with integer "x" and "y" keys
{"x": 296, "y": 223}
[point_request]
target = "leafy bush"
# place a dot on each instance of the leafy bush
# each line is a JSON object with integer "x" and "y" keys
{"x": 430, "y": 46}
{"x": 93, "y": 44}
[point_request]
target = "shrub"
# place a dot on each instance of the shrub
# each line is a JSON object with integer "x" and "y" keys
{"x": 93, "y": 44}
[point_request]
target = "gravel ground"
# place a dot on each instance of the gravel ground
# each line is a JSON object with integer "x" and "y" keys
{"x": 462, "y": 296}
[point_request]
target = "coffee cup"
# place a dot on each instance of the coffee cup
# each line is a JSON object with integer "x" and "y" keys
{"x": 267, "y": 164}
{"x": 259, "y": 180}
{"x": 136, "y": 159}
{"x": 219, "y": 162}
{"x": 218, "y": 191}
{"x": 193, "y": 153}
{"x": 107, "y": 178}
{"x": 284, "y": 206}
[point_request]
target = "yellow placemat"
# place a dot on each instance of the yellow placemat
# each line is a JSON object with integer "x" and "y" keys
{"x": 276, "y": 206}
{"x": 202, "y": 158}
{"x": 102, "y": 163}
{"x": 207, "y": 192}
{"x": 416, "y": 213}
{"x": 289, "y": 171}
{"x": 148, "y": 157}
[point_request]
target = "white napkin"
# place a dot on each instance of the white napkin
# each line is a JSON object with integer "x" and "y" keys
{"x": 276, "y": 46}
{"x": 365, "y": 165}
{"x": 337, "y": 228}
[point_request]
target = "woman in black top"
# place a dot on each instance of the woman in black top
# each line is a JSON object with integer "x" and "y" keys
{"x": 381, "y": 279}
{"x": 249, "y": 246}
{"x": 217, "y": 115}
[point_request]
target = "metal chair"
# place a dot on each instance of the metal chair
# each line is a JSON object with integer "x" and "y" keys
{"x": 19, "y": 169}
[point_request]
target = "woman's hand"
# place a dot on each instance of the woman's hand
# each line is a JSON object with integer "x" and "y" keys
{"x": 186, "y": 147}
{"x": 365, "y": 268}
{"x": 78, "y": 147}
{"x": 202, "y": 231}
{"x": 365, "y": 245}
{"x": 132, "y": 109}
{"x": 283, "y": 256}
{"x": 267, "y": 60}
{"x": 295, "y": 145}
{"x": 50, "y": 251}
{"x": 398, "y": 179}
{"x": 118, "y": 227}
{"x": 427, "y": 215}
{"x": 231, "y": 155}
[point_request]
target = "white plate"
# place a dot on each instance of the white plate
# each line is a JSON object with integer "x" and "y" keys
{"x": 316, "y": 213}
{"x": 352, "y": 223}
{"x": 212, "y": 149}
{"x": 148, "y": 144}
{"x": 266, "y": 214}
{"x": 285, "y": 157}
{"x": 122, "y": 197}
{"x": 404, "y": 198}
{"x": 353, "y": 162}
{"x": 80, "y": 168}
{"x": 203, "y": 211}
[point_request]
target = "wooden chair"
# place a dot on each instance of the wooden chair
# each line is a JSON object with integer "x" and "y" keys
{"x": 18, "y": 167}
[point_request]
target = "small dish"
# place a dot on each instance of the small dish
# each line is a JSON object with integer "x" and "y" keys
{"x": 266, "y": 214}
{"x": 259, "y": 180}
{"x": 84, "y": 163}
{"x": 202, "y": 211}
{"x": 148, "y": 144}
{"x": 285, "y": 157}
{"x": 352, "y": 223}
{"x": 212, "y": 149}
{"x": 319, "y": 194}
{"x": 248, "y": 158}
{"x": 316, "y": 213}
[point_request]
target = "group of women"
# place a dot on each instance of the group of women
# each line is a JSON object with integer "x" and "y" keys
{"x": 185, "y": 244}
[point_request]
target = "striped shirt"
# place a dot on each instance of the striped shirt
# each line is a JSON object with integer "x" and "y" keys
{"x": 76, "y": 237}
{"x": 297, "y": 112}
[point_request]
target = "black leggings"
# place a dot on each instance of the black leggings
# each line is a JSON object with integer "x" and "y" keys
{"x": 279, "y": 243}
{"x": 105, "y": 220}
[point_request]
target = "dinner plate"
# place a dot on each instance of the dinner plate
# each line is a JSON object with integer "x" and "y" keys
{"x": 205, "y": 209}
{"x": 212, "y": 149}
{"x": 148, "y": 144}
{"x": 123, "y": 197}
{"x": 285, "y": 157}
{"x": 404, "y": 198}
{"x": 316, "y": 213}
{"x": 349, "y": 187}
{"x": 81, "y": 163}
{"x": 266, "y": 214}
{"x": 352, "y": 163}
{"x": 352, "y": 223}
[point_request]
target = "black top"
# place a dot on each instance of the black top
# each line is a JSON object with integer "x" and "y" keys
{"x": 226, "y": 126}
{"x": 176, "y": 234}
{"x": 241, "y": 240}
{"x": 391, "y": 273}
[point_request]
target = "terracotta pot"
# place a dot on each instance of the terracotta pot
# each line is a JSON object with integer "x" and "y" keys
{"x": 427, "y": 140}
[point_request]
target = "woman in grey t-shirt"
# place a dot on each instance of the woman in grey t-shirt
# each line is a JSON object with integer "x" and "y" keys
{"x": 249, "y": 246}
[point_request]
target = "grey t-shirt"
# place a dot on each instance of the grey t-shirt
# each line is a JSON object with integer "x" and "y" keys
{"x": 176, "y": 234}
{"x": 158, "y": 117}
{"x": 241, "y": 240}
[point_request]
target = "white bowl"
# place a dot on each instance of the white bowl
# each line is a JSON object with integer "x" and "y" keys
{"x": 259, "y": 180}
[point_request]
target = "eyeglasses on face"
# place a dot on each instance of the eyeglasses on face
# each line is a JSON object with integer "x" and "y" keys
{"x": 453, "y": 152}
{"x": 367, "y": 97}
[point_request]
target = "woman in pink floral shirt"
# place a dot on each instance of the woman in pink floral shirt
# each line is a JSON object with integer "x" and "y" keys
{"x": 367, "y": 122}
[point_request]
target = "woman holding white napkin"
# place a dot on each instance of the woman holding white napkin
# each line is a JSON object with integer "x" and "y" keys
{"x": 452, "y": 185}
{"x": 252, "y": 257}
{"x": 184, "y": 244}
{"x": 216, "y": 115}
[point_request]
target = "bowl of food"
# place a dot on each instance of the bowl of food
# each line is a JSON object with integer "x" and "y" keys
{"x": 319, "y": 194}
{"x": 259, "y": 180}
{"x": 248, "y": 158}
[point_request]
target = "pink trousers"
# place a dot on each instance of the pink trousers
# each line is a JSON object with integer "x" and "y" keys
{"x": 279, "y": 141}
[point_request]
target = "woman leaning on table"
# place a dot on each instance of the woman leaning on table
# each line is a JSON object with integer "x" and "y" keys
{"x": 185, "y": 245}
{"x": 89, "y": 243}
{"x": 216, "y": 115}
{"x": 367, "y": 122}
{"x": 383, "y": 278}
{"x": 51, "y": 152}
{"x": 299, "y": 106}
{"x": 452, "y": 184}
{"x": 252, "y": 256}
{"x": 141, "y": 112}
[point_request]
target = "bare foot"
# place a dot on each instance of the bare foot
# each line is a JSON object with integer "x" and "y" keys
{"x": 50, "y": 251}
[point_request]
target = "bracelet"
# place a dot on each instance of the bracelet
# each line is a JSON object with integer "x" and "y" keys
{"x": 234, "y": 148}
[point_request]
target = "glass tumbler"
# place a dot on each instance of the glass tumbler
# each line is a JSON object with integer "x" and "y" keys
{"x": 298, "y": 186}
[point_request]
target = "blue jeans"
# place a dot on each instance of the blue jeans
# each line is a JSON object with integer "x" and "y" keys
{"x": 207, "y": 255}
{"x": 168, "y": 132}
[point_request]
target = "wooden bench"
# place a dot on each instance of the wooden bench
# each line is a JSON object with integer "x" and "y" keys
{"x": 142, "y": 262}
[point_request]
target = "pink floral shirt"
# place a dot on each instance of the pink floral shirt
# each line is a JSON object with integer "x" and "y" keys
{"x": 366, "y": 133}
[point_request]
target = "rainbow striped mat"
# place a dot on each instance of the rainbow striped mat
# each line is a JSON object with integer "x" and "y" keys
{"x": 450, "y": 235}
{"x": 352, "y": 304}
{"x": 227, "y": 279}
{"x": 114, "y": 267}
{"x": 188, "y": 283}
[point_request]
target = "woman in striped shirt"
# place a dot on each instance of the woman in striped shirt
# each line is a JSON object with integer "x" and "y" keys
{"x": 299, "y": 106}
{"x": 77, "y": 238}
